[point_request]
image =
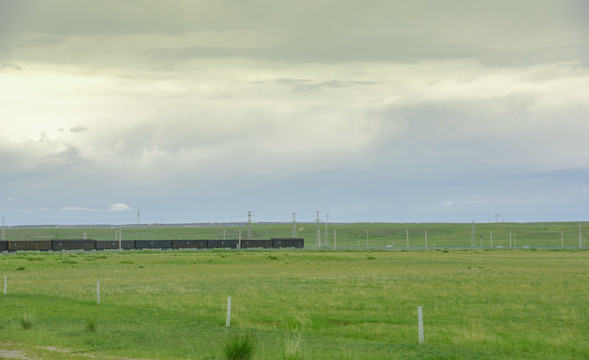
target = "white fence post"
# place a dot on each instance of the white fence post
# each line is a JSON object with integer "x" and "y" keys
{"x": 228, "y": 321}
{"x": 420, "y": 323}
{"x": 5, "y": 282}
{"x": 98, "y": 292}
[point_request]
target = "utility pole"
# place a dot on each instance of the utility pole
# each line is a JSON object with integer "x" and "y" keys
{"x": 580, "y": 237}
{"x": 367, "y": 238}
{"x": 326, "y": 236}
{"x": 294, "y": 234}
{"x": 334, "y": 240}
{"x": 472, "y": 235}
{"x": 138, "y": 217}
{"x": 249, "y": 225}
{"x": 317, "y": 220}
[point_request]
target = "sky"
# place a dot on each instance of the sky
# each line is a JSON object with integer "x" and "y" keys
{"x": 377, "y": 111}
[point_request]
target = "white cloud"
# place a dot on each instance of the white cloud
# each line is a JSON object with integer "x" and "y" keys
{"x": 447, "y": 203}
{"x": 9, "y": 199}
{"x": 119, "y": 207}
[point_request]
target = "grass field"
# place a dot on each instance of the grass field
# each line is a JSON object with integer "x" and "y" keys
{"x": 348, "y": 236}
{"x": 478, "y": 304}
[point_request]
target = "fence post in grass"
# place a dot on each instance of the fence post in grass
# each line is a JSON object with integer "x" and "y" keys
{"x": 5, "y": 282}
{"x": 407, "y": 238}
{"x": 420, "y": 324}
{"x": 491, "y": 238}
{"x": 98, "y": 292}
{"x": 510, "y": 239}
{"x": 562, "y": 239}
{"x": 228, "y": 321}
{"x": 334, "y": 240}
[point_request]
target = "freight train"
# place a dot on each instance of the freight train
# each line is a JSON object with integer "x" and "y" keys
{"x": 91, "y": 244}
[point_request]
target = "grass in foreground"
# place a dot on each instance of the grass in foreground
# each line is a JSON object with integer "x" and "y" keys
{"x": 302, "y": 305}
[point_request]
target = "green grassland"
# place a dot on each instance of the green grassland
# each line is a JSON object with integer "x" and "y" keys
{"x": 347, "y": 236}
{"x": 348, "y": 304}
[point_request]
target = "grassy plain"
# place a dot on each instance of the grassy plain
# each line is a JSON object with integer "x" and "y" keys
{"x": 478, "y": 304}
{"x": 348, "y": 236}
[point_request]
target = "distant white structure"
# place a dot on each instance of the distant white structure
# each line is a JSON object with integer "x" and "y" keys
{"x": 294, "y": 233}
{"x": 249, "y": 225}
{"x": 317, "y": 220}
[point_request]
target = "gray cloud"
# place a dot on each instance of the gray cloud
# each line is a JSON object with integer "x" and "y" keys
{"x": 302, "y": 85}
{"x": 501, "y": 32}
{"x": 78, "y": 129}
{"x": 9, "y": 66}
{"x": 364, "y": 108}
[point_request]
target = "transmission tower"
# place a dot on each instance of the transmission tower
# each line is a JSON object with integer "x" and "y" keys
{"x": 317, "y": 220}
{"x": 249, "y": 225}
{"x": 294, "y": 226}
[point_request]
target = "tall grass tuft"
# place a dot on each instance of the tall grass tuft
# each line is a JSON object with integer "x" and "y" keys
{"x": 91, "y": 325}
{"x": 239, "y": 347}
{"x": 27, "y": 321}
{"x": 292, "y": 349}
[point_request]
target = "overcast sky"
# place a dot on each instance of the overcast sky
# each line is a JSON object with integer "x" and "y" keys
{"x": 198, "y": 111}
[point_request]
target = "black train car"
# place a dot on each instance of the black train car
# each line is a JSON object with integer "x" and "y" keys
{"x": 189, "y": 244}
{"x": 222, "y": 244}
{"x": 153, "y": 244}
{"x": 296, "y": 243}
{"x": 22, "y": 245}
{"x": 256, "y": 244}
{"x": 3, "y": 246}
{"x": 73, "y": 244}
{"x": 114, "y": 245}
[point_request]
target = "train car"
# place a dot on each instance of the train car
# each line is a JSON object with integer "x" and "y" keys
{"x": 28, "y": 245}
{"x": 73, "y": 244}
{"x": 153, "y": 244}
{"x": 222, "y": 244}
{"x": 3, "y": 246}
{"x": 256, "y": 244}
{"x": 189, "y": 244}
{"x": 114, "y": 245}
{"x": 296, "y": 243}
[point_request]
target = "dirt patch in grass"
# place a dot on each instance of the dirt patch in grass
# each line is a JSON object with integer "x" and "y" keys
{"x": 10, "y": 350}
